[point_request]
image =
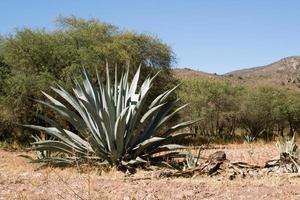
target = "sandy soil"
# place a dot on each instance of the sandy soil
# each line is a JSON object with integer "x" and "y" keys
{"x": 22, "y": 180}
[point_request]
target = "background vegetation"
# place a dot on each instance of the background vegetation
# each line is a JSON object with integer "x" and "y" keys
{"x": 34, "y": 60}
{"x": 232, "y": 111}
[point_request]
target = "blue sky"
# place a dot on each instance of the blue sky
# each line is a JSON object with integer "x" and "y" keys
{"x": 212, "y": 35}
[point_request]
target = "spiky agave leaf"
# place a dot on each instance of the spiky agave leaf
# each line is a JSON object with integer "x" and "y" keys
{"x": 109, "y": 121}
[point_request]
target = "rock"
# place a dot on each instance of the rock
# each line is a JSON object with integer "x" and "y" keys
{"x": 266, "y": 170}
{"x": 218, "y": 156}
{"x": 253, "y": 173}
{"x": 214, "y": 161}
{"x": 232, "y": 176}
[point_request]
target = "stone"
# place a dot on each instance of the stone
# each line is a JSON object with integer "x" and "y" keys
{"x": 218, "y": 156}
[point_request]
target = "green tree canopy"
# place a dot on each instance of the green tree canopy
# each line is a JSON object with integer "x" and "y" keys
{"x": 37, "y": 59}
{"x": 215, "y": 102}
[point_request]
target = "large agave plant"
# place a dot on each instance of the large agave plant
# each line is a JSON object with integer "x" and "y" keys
{"x": 111, "y": 121}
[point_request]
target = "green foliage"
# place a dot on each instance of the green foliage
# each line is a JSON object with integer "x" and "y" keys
{"x": 17, "y": 104}
{"x": 256, "y": 110}
{"x": 293, "y": 111}
{"x": 214, "y": 102}
{"x": 228, "y": 111}
{"x": 4, "y": 74}
{"x": 32, "y": 60}
{"x": 110, "y": 122}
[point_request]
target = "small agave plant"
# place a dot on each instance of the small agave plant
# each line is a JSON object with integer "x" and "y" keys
{"x": 249, "y": 138}
{"x": 112, "y": 124}
{"x": 191, "y": 161}
{"x": 288, "y": 145}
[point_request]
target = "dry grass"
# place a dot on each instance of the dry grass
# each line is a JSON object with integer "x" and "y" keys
{"x": 22, "y": 180}
{"x": 255, "y": 153}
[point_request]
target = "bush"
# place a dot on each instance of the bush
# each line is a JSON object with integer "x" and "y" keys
{"x": 31, "y": 60}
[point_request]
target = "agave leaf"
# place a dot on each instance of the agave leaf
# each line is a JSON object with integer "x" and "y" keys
{"x": 94, "y": 123}
{"x": 110, "y": 109}
{"x": 155, "y": 122}
{"x": 134, "y": 84}
{"x": 164, "y": 148}
{"x": 27, "y": 157}
{"x": 120, "y": 130}
{"x": 135, "y": 115}
{"x": 157, "y": 100}
{"x": 66, "y": 96}
{"x": 115, "y": 93}
{"x": 179, "y": 126}
{"x": 53, "y": 100}
{"x": 145, "y": 87}
{"x": 72, "y": 137}
{"x": 155, "y": 75}
{"x": 172, "y": 138}
{"x": 68, "y": 115}
{"x": 169, "y": 116}
{"x": 167, "y": 142}
{"x": 109, "y": 131}
{"x": 148, "y": 142}
{"x": 144, "y": 145}
{"x": 89, "y": 89}
{"x": 161, "y": 98}
{"x": 110, "y": 122}
{"x": 56, "y": 161}
{"x": 119, "y": 99}
{"x": 136, "y": 161}
{"x": 52, "y": 131}
{"x": 150, "y": 112}
{"x": 51, "y": 145}
{"x": 164, "y": 98}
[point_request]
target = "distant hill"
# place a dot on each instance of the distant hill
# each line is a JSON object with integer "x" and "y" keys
{"x": 286, "y": 66}
{"x": 187, "y": 73}
{"x": 283, "y": 73}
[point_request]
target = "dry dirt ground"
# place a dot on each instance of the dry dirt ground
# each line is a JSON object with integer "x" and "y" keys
{"x": 22, "y": 180}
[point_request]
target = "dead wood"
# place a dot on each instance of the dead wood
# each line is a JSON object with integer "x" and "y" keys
{"x": 286, "y": 163}
{"x": 217, "y": 163}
